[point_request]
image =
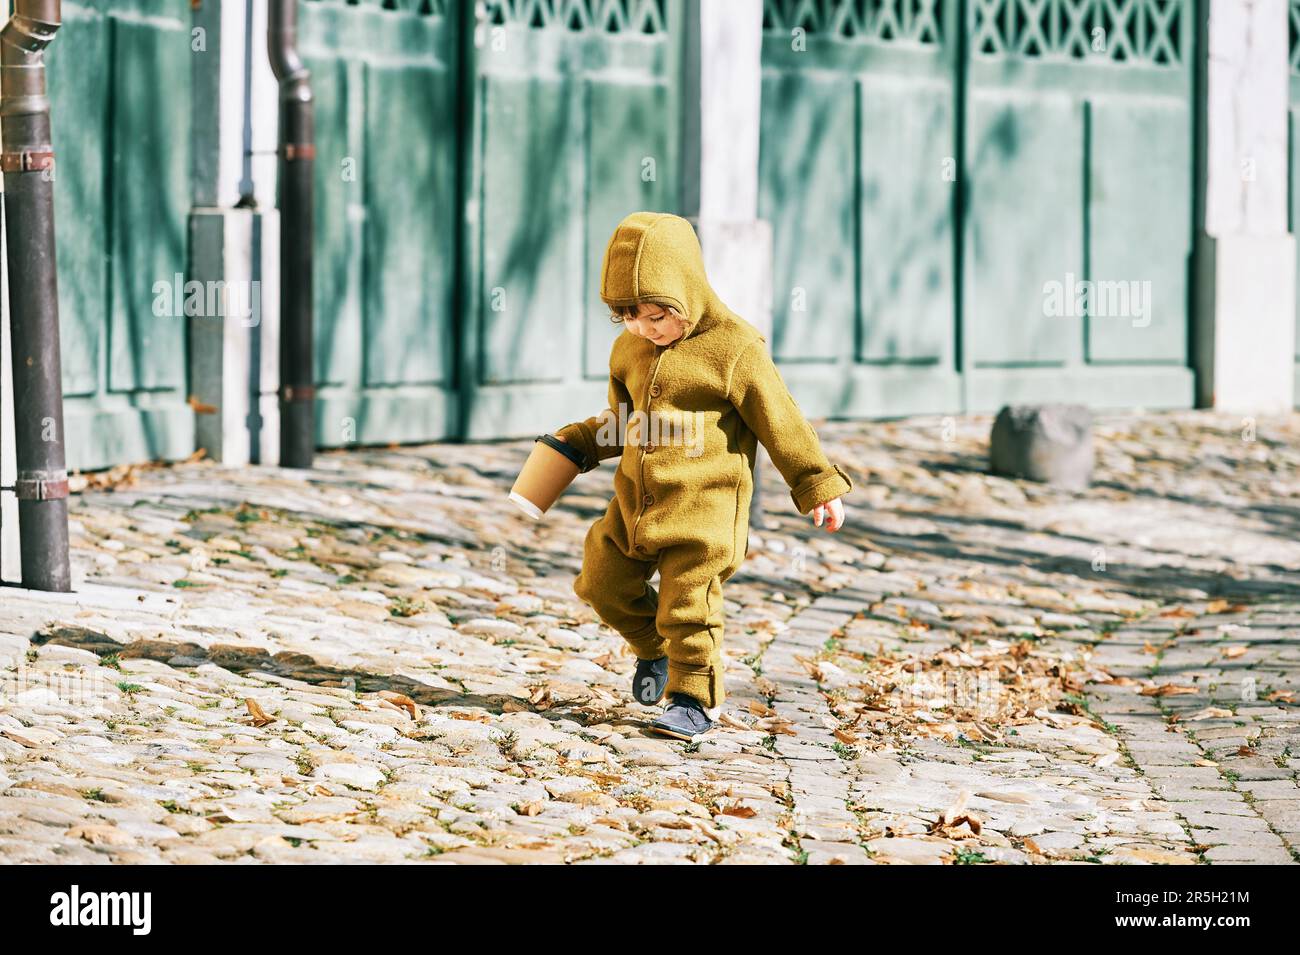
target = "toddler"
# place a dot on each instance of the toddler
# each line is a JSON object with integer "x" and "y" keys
{"x": 692, "y": 389}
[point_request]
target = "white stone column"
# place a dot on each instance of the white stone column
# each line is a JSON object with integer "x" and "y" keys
{"x": 721, "y": 89}
{"x": 1244, "y": 325}
{"x": 233, "y": 358}
{"x": 721, "y": 92}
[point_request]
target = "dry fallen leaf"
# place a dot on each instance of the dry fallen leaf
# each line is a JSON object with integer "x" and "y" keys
{"x": 259, "y": 717}
{"x": 1210, "y": 713}
{"x": 540, "y": 697}
{"x": 1167, "y": 689}
{"x": 1020, "y": 799}
{"x": 845, "y": 737}
{"x": 99, "y": 835}
{"x": 776, "y": 725}
{"x": 589, "y": 797}
{"x": 741, "y": 812}
{"x": 21, "y": 739}
{"x": 602, "y": 779}
{"x": 529, "y": 808}
{"x": 728, "y": 720}
{"x": 1234, "y": 651}
{"x": 945, "y": 731}
{"x": 1156, "y": 856}
{"x": 402, "y": 701}
{"x": 1222, "y": 606}
{"x": 956, "y": 808}
{"x": 1281, "y": 696}
{"x": 981, "y": 734}
{"x": 758, "y": 709}
{"x": 957, "y": 815}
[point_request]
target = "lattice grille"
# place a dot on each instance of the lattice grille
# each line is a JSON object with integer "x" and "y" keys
{"x": 1295, "y": 37}
{"x": 603, "y": 16}
{"x": 1145, "y": 32}
{"x": 419, "y": 8}
{"x": 861, "y": 21}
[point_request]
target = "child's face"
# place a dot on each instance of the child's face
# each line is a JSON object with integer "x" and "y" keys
{"x": 653, "y": 322}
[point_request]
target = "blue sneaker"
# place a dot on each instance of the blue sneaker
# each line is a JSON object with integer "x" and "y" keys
{"x": 649, "y": 680}
{"x": 683, "y": 719}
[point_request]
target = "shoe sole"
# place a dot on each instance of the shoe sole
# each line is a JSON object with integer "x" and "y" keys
{"x": 664, "y": 731}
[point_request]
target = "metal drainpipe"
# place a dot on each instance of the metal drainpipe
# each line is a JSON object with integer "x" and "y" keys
{"x": 297, "y": 153}
{"x": 28, "y": 166}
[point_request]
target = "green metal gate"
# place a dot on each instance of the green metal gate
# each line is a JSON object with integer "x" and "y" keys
{"x": 1079, "y": 149}
{"x": 472, "y": 161}
{"x": 927, "y": 183}
{"x": 943, "y": 198}
{"x": 858, "y": 130}
{"x": 385, "y": 79}
{"x": 574, "y": 123}
{"x": 121, "y": 137}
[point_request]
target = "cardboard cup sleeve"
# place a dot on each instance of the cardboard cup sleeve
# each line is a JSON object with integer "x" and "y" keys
{"x": 550, "y": 468}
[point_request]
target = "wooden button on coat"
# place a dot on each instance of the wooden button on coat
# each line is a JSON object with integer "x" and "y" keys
{"x": 654, "y": 391}
{"x": 648, "y": 499}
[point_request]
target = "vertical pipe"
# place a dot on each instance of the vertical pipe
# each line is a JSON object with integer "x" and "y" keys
{"x": 27, "y": 162}
{"x": 297, "y": 154}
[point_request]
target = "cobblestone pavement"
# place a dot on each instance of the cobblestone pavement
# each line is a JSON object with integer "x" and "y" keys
{"x": 383, "y": 661}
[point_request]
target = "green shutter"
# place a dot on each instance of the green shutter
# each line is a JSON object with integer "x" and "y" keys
{"x": 575, "y": 112}
{"x": 119, "y": 81}
{"x": 385, "y": 81}
{"x": 933, "y": 168}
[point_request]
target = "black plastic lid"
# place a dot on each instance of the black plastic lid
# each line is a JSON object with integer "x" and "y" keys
{"x": 566, "y": 449}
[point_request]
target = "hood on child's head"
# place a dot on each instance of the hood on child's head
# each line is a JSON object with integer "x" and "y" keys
{"x": 656, "y": 257}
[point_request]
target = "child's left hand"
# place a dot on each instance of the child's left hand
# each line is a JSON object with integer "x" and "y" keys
{"x": 832, "y": 512}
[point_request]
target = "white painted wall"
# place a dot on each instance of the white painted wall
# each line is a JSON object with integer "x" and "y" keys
{"x": 1245, "y": 322}
{"x": 722, "y": 87}
{"x": 722, "y": 93}
{"x": 234, "y": 366}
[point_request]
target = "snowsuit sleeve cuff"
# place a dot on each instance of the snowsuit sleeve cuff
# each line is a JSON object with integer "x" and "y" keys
{"x": 820, "y": 488}
{"x": 583, "y": 438}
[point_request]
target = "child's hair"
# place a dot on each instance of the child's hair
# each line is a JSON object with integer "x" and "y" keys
{"x": 617, "y": 313}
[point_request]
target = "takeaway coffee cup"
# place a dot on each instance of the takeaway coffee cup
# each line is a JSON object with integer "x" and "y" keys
{"x": 550, "y": 468}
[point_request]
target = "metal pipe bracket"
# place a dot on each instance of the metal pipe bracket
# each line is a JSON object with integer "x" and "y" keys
{"x": 298, "y": 392}
{"x": 40, "y": 485}
{"x": 27, "y": 160}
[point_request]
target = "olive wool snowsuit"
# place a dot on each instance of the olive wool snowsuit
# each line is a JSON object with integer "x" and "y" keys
{"x": 694, "y": 410}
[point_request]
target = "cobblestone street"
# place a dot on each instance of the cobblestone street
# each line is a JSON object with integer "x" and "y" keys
{"x": 385, "y": 662}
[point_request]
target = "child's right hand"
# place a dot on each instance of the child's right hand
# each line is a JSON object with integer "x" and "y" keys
{"x": 832, "y": 513}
